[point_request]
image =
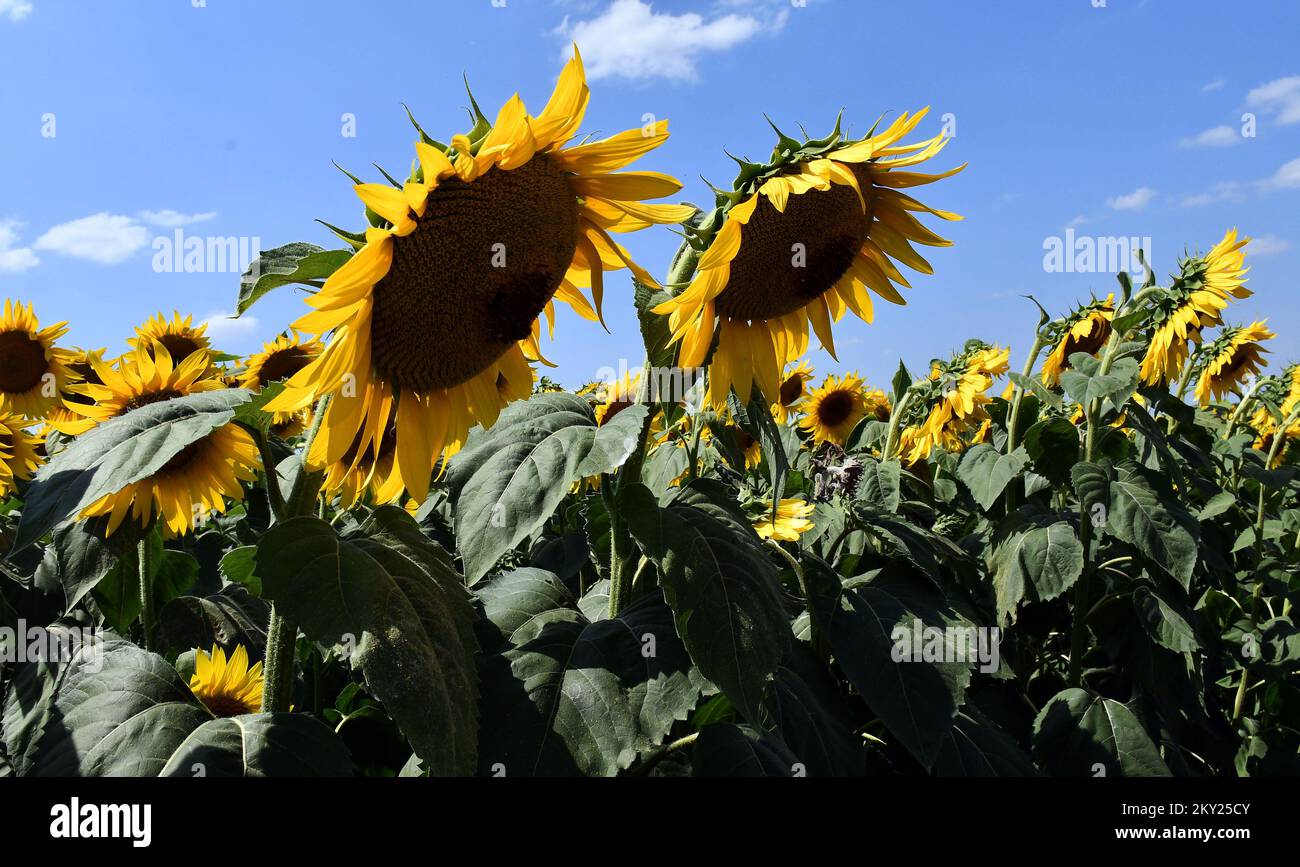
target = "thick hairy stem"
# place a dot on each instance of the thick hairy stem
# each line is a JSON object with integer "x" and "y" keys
{"x": 1013, "y": 423}
{"x": 622, "y": 552}
{"x": 282, "y": 635}
{"x": 144, "y": 563}
{"x": 895, "y": 424}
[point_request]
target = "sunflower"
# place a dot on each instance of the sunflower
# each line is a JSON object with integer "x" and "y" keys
{"x": 20, "y": 455}
{"x": 227, "y": 687}
{"x": 951, "y": 412}
{"x": 800, "y": 241}
{"x": 616, "y": 397}
{"x": 279, "y": 360}
{"x": 792, "y": 390}
{"x": 143, "y": 376}
{"x": 367, "y": 468}
{"x": 1194, "y": 302}
{"x": 788, "y": 524}
{"x": 180, "y": 336}
{"x": 1233, "y": 358}
{"x": 440, "y": 307}
{"x": 832, "y": 411}
{"x": 81, "y": 366}
{"x": 33, "y": 371}
{"x": 1286, "y": 393}
{"x": 1085, "y": 330}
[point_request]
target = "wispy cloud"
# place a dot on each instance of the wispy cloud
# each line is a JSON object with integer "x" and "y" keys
{"x": 1221, "y": 192}
{"x": 1281, "y": 97}
{"x": 1134, "y": 201}
{"x": 15, "y": 10}
{"x": 222, "y": 327}
{"x": 1269, "y": 245}
{"x": 1212, "y": 86}
{"x": 14, "y": 259}
{"x": 169, "y": 219}
{"x": 1287, "y": 177}
{"x": 1215, "y": 137}
{"x": 104, "y": 238}
{"x": 631, "y": 40}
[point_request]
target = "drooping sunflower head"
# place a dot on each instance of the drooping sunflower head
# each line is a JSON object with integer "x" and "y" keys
{"x": 1235, "y": 356}
{"x": 146, "y": 375}
{"x": 948, "y": 409}
{"x": 227, "y": 687}
{"x": 793, "y": 388}
{"x": 366, "y": 470}
{"x": 831, "y": 412}
{"x": 790, "y": 521}
{"x": 799, "y": 241}
{"x": 20, "y": 455}
{"x": 440, "y": 305}
{"x": 1085, "y": 330}
{"x": 33, "y": 370}
{"x": 615, "y": 397}
{"x": 179, "y": 335}
{"x": 1195, "y": 302}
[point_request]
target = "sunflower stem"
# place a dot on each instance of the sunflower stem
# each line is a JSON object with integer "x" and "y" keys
{"x": 269, "y": 475}
{"x": 144, "y": 563}
{"x": 1013, "y": 423}
{"x": 895, "y": 422}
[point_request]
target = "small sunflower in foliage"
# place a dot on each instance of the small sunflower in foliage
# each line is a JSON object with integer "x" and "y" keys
{"x": 616, "y": 396}
{"x": 435, "y": 319}
{"x": 1085, "y": 330}
{"x": 800, "y": 241}
{"x": 1235, "y": 356}
{"x": 34, "y": 371}
{"x": 949, "y": 409}
{"x": 793, "y": 389}
{"x": 1284, "y": 393}
{"x": 278, "y": 361}
{"x": 20, "y": 453}
{"x": 1194, "y": 303}
{"x": 227, "y": 687}
{"x": 180, "y": 335}
{"x": 831, "y": 412}
{"x": 790, "y": 521}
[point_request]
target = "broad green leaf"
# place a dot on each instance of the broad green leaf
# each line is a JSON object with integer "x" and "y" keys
{"x": 1166, "y": 626}
{"x": 118, "y": 453}
{"x": 237, "y": 567}
{"x": 1084, "y": 381}
{"x": 1157, "y": 525}
{"x": 720, "y": 582}
{"x": 261, "y": 745}
{"x": 727, "y": 750}
{"x": 987, "y": 473}
{"x": 572, "y": 696}
{"x": 1078, "y": 734}
{"x": 395, "y": 594}
{"x": 229, "y": 618}
{"x": 1032, "y": 558}
{"x": 76, "y": 559}
{"x": 756, "y": 420}
{"x": 880, "y": 484}
{"x": 1053, "y": 447}
{"x": 804, "y": 703}
{"x": 509, "y": 479}
{"x": 977, "y": 748}
{"x": 1033, "y": 385}
{"x": 27, "y": 702}
{"x": 873, "y": 623}
{"x": 510, "y": 600}
{"x": 293, "y": 263}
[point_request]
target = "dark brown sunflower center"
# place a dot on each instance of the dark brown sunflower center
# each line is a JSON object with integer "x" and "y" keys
{"x": 282, "y": 365}
{"x": 788, "y": 259}
{"x": 791, "y": 390}
{"x": 148, "y": 398}
{"x": 835, "y": 409}
{"x": 22, "y": 362}
{"x": 387, "y": 446}
{"x": 1091, "y": 344}
{"x": 614, "y": 409}
{"x": 227, "y": 705}
{"x": 179, "y": 346}
{"x": 474, "y": 275}
{"x": 184, "y": 457}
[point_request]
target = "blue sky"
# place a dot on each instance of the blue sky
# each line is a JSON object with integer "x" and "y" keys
{"x": 223, "y": 118}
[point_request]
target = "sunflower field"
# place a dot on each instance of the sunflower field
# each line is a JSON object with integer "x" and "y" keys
{"x": 389, "y": 545}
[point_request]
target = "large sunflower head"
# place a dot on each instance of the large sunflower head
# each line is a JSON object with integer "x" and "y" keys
{"x": 798, "y": 242}
{"x": 1230, "y": 360}
{"x": 793, "y": 388}
{"x": 33, "y": 371}
{"x": 439, "y": 308}
{"x": 20, "y": 455}
{"x": 179, "y": 335}
{"x": 227, "y": 687}
{"x": 147, "y": 374}
{"x": 831, "y": 412}
{"x": 1193, "y": 303}
{"x": 1085, "y": 330}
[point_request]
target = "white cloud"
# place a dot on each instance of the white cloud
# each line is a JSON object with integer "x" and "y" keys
{"x": 222, "y": 327}
{"x": 1212, "y": 86}
{"x": 1077, "y": 222}
{"x": 15, "y": 10}
{"x": 169, "y": 219}
{"x": 1281, "y": 96}
{"x": 1224, "y": 191}
{"x": 14, "y": 259}
{"x": 104, "y": 238}
{"x": 1269, "y": 245}
{"x": 630, "y": 40}
{"x": 1214, "y": 137}
{"x": 1134, "y": 201}
{"x": 1285, "y": 177}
